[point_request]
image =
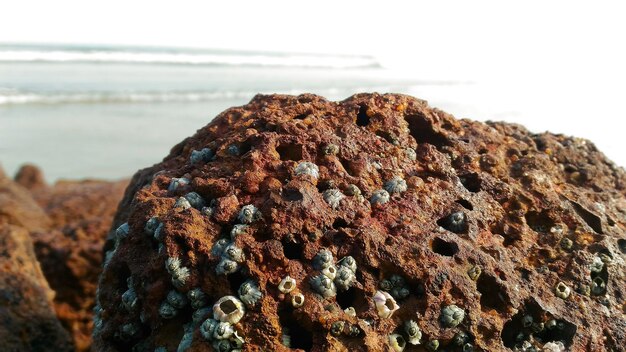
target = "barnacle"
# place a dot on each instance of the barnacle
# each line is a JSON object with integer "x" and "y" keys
{"x": 324, "y": 286}
{"x": 234, "y": 253}
{"x": 354, "y": 331}
{"x": 379, "y": 197}
{"x": 202, "y": 155}
{"x": 249, "y": 293}
{"x": 167, "y": 311}
{"x": 348, "y": 262}
{"x": 177, "y": 182}
{"x": 158, "y": 233}
{"x": 397, "y": 342}
{"x": 468, "y": 347}
{"x": 350, "y": 311}
{"x": 176, "y": 299}
{"x": 598, "y": 286}
{"x": 195, "y": 200}
{"x": 249, "y": 214}
{"x": 228, "y": 309}
{"x": 562, "y": 290}
{"x": 179, "y": 273}
{"x": 345, "y": 278}
{"x": 330, "y": 149}
{"x": 452, "y": 316}
{"x": 566, "y": 243}
{"x": 413, "y": 332}
{"x": 385, "y": 304}
{"x": 597, "y": 265}
{"x": 337, "y": 328}
{"x": 385, "y": 285}
{"x": 219, "y": 246}
{"x": 208, "y": 328}
{"x": 129, "y": 299}
{"x": 456, "y": 222}
{"x": 527, "y": 321}
{"x": 223, "y": 331}
{"x": 201, "y": 314}
{"x": 322, "y": 259}
{"x": 396, "y": 185}
{"x": 432, "y": 345}
{"x": 297, "y": 300}
{"x": 307, "y": 168}
{"x": 122, "y": 231}
{"x": 186, "y": 341}
{"x": 460, "y": 338}
{"x": 330, "y": 271}
{"x": 474, "y": 272}
{"x": 151, "y": 226}
{"x": 197, "y": 298}
{"x": 182, "y": 204}
{"x": 353, "y": 190}
{"x": 237, "y": 230}
{"x": 333, "y": 197}
{"x": 226, "y": 267}
{"x": 287, "y": 284}
{"x": 129, "y": 330}
{"x": 410, "y": 154}
{"x": 221, "y": 345}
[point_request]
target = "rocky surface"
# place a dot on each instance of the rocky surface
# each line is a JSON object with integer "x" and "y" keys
{"x": 462, "y": 236}
{"x": 71, "y": 251}
{"x": 28, "y": 321}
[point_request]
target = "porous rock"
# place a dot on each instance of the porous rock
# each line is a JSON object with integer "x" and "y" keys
{"x": 30, "y": 177}
{"x": 479, "y": 227}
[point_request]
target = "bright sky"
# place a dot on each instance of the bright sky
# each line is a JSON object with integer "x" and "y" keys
{"x": 561, "y": 59}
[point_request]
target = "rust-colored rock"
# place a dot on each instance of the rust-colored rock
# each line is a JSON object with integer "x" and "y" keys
{"x": 70, "y": 252}
{"x": 488, "y": 237}
{"x": 30, "y": 177}
{"x": 28, "y": 321}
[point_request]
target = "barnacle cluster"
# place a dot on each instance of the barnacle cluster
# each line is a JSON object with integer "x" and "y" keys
{"x": 332, "y": 277}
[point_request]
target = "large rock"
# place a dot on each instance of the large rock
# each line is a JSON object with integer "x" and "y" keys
{"x": 486, "y": 236}
{"x": 28, "y": 320}
{"x": 70, "y": 252}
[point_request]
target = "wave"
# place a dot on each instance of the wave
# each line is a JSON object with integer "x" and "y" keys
{"x": 10, "y": 97}
{"x": 216, "y": 58}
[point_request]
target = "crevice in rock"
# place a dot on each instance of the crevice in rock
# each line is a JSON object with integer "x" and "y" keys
{"x": 423, "y": 132}
{"x": 361, "y": 118}
{"x": 289, "y": 151}
{"x": 471, "y": 181}
{"x": 444, "y": 248}
{"x": 300, "y": 337}
{"x": 590, "y": 218}
{"x": 492, "y": 293}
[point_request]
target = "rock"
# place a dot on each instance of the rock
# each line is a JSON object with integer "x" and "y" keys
{"x": 18, "y": 208}
{"x": 71, "y": 251}
{"x": 468, "y": 229}
{"x": 30, "y": 177}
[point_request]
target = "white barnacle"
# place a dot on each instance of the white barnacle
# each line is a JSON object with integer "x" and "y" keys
{"x": 397, "y": 342}
{"x": 287, "y": 284}
{"x": 345, "y": 278}
{"x": 195, "y": 200}
{"x": 413, "y": 332}
{"x": 237, "y": 230}
{"x": 562, "y": 290}
{"x": 350, "y": 311}
{"x": 182, "y": 204}
{"x": 249, "y": 293}
{"x": 234, "y": 253}
{"x": 396, "y": 185}
{"x": 151, "y": 226}
{"x": 208, "y": 328}
{"x": 322, "y": 259}
{"x": 380, "y": 196}
{"x": 226, "y": 267}
{"x": 179, "y": 273}
{"x": 236, "y": 341}
{"x": 452, "y": 315}
{"x": 223, "y": 331}
{"x": 228, "y": 309}
{"x": 297, "y": 300}
{"x": 333, "y": 197}
{"x": 249, "y": 214}
{"x": 176, "y": 299}
{"x": 218, "y": 247}
{"x": 324, "y": 286}
{"x": 597, "y": 265}
{"x": 167, "y": 311}
{"x": 348, "y": 262}
{"x": 203, "y": 155}
{"x": 175, "y": 183}
{"x": 307, "y": 168}
{"x": 330, "y": 271}
{"x": 410, "y": 153}
{"x": 122, "y": 232}
{"x": 385, "y": 304}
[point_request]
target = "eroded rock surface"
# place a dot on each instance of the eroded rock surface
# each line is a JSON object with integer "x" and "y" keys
{"x": 401, "y": 227}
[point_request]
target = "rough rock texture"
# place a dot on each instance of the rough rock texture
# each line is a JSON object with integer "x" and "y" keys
{"x": 30, "y": 176}
{"x": 489, "y": 237}
{"x": 70, "y": 252}
{"x": 27, "y": 319}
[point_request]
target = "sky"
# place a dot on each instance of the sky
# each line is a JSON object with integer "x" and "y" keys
{"x": 561, "y": 64}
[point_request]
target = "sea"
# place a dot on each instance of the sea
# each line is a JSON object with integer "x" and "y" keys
{"x": 81, "y": 111}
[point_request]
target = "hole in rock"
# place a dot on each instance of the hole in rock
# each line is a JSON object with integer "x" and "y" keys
{"x": 539, "y": 221}
{"x": 300, "y": 337}
{"x": 471, "y": 182}
{"x": 361, "y": 117}
{"x": 465, "y": 204}
{"x": 621, "y": 243}
{"x": 590, "y": 218}
{"x": 444, "y": 248}
{"x": 492, "y": 294}
{"x": 290, "y": 152}
{"x": 292, "y": 195}
{"x": 339, "y": 223}
{"x": 235, "y": 280}
{"x": 293, "y": 250}
{"x": 422, "y": 131}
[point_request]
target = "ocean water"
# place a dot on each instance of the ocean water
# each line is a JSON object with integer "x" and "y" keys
{"x": 104, "y": 112}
